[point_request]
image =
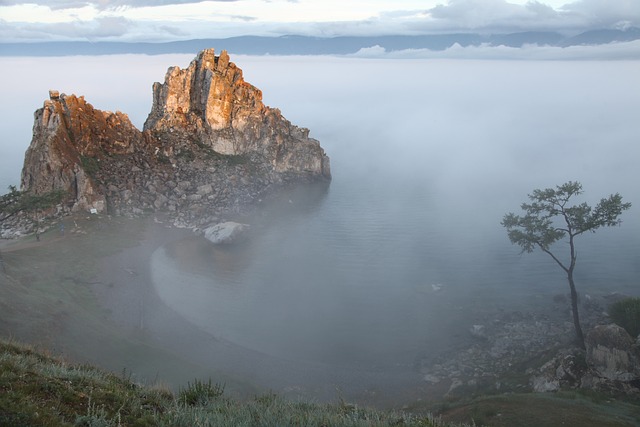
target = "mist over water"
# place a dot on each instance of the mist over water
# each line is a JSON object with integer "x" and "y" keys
{"x": 427, "y": 156}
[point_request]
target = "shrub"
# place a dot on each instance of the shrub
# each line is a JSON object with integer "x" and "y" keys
{"x": 90, "y": 165}
{"x": 626, "y": 313}
{"x": 186, "y": 155}
{"x": 200, "y": 393}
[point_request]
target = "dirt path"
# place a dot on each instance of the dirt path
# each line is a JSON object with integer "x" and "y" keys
{"x": 71, "y": 225}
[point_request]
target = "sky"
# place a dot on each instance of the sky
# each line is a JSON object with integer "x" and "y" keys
{"x": 167, "y": 20}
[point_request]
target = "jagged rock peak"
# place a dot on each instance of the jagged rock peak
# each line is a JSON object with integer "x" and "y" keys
{"x": 209, "y": 147}
{"x": 208, "y": 91}
{"x": 210, "y": 101}
{"x": 69, "y": 136}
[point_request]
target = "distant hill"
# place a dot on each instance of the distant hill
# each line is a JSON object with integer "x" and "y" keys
{"x": 303, "y": 45}
{"x": 603, "y": 37}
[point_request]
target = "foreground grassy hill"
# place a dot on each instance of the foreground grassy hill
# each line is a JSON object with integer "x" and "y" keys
{"x": 39, "y": 390}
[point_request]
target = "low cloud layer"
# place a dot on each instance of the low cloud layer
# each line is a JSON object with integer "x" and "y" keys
{"x": 616, "y": 51}
{"x": 103, "y": 4}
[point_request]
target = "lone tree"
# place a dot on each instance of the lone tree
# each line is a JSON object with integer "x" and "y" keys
{"x": 550, "y": 218}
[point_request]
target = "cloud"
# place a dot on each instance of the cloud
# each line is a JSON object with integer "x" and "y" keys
{"x": 171, "y": 30}
{"x": 492, "y": 15}
{"x": 100, "y": 28}
{"x": 604, "y": 13}
{"x": 244, "y": 18}
{"x": 376, "y": 51}
{"x": 103, "y": 4}
{"x": 156, "y": 20}
{"x": 500, "y": 15}
{"x": 63, "y": 4}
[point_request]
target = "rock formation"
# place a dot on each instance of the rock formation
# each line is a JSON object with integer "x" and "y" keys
{"x": 612, "y": 353}
{"x": 611, "y": 363}
{"x": 209, "y": 147}
{"x": 225, "y": 232}
{"x": 210, "y": 102}
{"x": 540, "y": 345}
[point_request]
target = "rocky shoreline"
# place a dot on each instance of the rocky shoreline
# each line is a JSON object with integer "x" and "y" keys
{"x": 535, "y": 351}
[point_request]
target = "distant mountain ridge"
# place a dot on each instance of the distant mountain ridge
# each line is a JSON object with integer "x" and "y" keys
{"x": 305, "y": 45}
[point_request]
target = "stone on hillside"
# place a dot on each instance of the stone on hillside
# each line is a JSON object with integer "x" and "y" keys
{"x": 563, "y": 371}
{"x": 612, "y": 353}
{"x": 544, "y": 384}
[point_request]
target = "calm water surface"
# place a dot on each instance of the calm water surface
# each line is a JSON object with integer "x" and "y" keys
{"x": 405, "y": 246}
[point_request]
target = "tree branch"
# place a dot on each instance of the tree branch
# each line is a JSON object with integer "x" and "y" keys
{"x": 554, "y": 258}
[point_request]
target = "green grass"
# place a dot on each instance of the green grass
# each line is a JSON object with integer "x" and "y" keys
{"x": 90, "y": 165}
{"x": 39, "y": 390}
{"x": 568, "y": 408}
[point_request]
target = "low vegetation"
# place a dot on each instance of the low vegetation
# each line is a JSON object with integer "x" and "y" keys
{"x": 626, "y": 313}
{"x": 584, "y": 408}
{"x": 39, "y": 390}
{"x": 33, "y": 205}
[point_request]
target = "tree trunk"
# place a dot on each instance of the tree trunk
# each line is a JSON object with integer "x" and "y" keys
{"x": 37, "y": 227}
{"x": 574, "y": 309}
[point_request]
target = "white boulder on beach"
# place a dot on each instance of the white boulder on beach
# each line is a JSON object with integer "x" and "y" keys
{"x": 225, "y": 232}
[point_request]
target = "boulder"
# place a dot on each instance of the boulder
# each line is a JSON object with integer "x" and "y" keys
{"x": 565, "y": 370}
{"x": 612, "y": 353}
{"x": 225, "y": 232}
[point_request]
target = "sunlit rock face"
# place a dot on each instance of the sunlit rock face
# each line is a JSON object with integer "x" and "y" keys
{"x": 210, "y": 101}
{"x": 209, "y": 147}
{"x": 69, "y": 136}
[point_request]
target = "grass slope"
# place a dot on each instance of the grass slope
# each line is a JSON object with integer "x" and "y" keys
{"x": 39, "y": 390}
{"x": 568, "y": 408}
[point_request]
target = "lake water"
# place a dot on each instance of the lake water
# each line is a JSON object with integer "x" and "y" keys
{"x": 427, "y": 157}
{"x": 404, "y": 248}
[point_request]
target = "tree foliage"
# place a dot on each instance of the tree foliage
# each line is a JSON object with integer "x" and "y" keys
{"x": 10, "y": 204}
{"x": 626, "y": 313}
{"x": 549, "y": 217}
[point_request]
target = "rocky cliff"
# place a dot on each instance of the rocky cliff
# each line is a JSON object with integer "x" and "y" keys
{"x": 209, "y": 146}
